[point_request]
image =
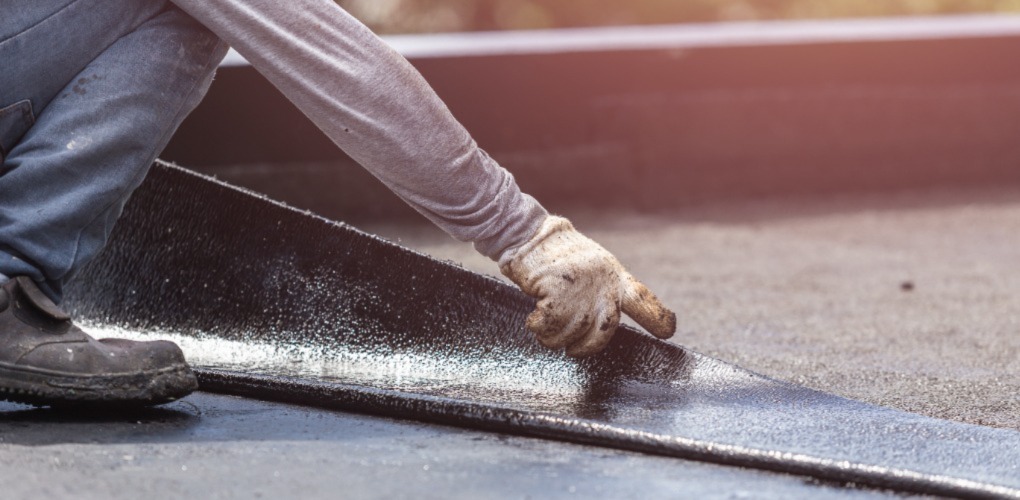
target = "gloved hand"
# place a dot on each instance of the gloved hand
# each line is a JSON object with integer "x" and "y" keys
{"x": 581, "y": 288}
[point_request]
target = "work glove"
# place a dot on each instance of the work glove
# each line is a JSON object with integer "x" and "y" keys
{"x": 581, "y": 289}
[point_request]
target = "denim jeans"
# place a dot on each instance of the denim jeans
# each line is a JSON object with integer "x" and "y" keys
{"x": 90, "y": 93}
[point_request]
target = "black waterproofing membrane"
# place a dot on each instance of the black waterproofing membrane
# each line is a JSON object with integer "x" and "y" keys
{"x": 274, "y": 303}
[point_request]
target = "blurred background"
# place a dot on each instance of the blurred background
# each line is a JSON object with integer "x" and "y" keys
{"x": 427, "y": 16}
{"x": 911, "y": 93}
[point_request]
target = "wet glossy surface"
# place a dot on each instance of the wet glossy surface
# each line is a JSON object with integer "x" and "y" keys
{"x": 216, "y": 446}
{"x": 274, "y": 303}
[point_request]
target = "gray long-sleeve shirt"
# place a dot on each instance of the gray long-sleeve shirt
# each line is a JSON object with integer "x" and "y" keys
{"x": 376, "y": 107}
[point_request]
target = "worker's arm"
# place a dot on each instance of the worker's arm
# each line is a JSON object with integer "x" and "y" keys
{"x": 375, "y": 106}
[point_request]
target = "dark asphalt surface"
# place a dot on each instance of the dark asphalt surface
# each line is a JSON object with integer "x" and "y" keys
{"x": 361, "y": 317}
{"x": 810, "y": 291}
{"x": 909, "y": 300}
{"x": 210, "y": 446}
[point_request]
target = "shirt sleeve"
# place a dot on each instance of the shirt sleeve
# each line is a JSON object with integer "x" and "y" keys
{"x": 376, "y": 107}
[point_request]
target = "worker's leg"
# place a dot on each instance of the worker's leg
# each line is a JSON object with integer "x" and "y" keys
{"x": 91, "y": 91}
{"x": 373, "y": 104}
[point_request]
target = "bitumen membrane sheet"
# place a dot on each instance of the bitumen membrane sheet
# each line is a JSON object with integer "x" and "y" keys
{"x": 300, "y": 309}
{"x": 215, "y": 446}
{"x": 905, "y": 299}
{"x": 909, "y": 299}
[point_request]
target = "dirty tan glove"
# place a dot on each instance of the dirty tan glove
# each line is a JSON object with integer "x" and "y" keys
{"x": 581, "y": 289}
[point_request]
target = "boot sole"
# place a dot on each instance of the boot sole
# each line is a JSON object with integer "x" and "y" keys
{"x": 50, "y": 388}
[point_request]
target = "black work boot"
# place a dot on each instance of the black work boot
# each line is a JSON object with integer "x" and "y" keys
{"x": 46, "y": 360}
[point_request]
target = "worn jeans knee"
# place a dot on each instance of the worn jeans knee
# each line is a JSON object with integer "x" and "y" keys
{"x": 90, "y": 94}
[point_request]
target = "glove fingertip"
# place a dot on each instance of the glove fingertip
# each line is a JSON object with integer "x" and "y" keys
{"x": 551, "y": 328}
{"x": 648, "y": 311}
{"x": 665, "y": 325}
{"x": 598, "y": 337}
{"x": 593, "y": 344}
